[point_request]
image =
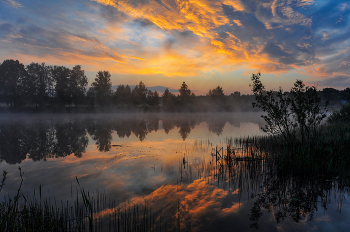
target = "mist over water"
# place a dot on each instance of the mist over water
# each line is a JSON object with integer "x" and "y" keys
{"x": 166, "y": 161}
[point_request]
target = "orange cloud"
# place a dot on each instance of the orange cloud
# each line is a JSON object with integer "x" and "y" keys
{"x": 138, "y": 58}
{"x": 189, "y": 202}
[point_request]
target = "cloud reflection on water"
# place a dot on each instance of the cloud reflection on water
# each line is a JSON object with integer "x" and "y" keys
{"x": 172, "y": 174}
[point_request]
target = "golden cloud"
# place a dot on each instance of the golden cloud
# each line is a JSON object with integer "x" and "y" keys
{"x": 190, "y": 202}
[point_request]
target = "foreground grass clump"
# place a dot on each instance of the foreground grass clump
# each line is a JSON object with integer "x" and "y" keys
{"x": 89, "y": 212}
{"x": 21, "y": 214}
{"x": 326, "y": 153}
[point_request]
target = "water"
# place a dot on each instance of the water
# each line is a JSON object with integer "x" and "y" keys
{"x": 165, "y": 161}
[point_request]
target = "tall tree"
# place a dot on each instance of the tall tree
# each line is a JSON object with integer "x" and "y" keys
{"x": 186, "y": 96}
{"x": 12, "y": 78}
{"x": 38, "y": 84}
{"x": 102, "y": 87}
{"x": 217, "y": 95}
{"x": 168, "y": 99}
{"x": 139, "y": 94}
{"x": 61, "y": 75}
{"x": 152, "y": 98}
{"x": 122, "y": 95}
{"x": 184, "y": 90}
{"x": 77, "y": 85}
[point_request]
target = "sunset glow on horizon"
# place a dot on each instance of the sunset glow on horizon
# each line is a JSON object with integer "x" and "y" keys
{"x": 202, "y": 42}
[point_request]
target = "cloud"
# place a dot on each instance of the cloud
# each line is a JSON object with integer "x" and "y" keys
{"x": 195, "y": 201}
{"x": 337, "y": 82}
{"x": 183, "y": 38}
{"x": 12, "y": 3}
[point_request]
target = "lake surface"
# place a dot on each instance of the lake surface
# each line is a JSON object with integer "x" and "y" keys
{"x": 168, "y": 163}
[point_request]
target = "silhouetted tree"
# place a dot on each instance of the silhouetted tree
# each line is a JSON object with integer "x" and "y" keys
{"x": 168, "y": 100}
{"x": 102, "y": 87}
{"x": 331, "y": 95}
{"x": 38, "y": 84}
{"x": 290, "y": 115}
{"x": 77, "y": 85}
{"x": 346, "y": 94}
{"x": 217, "y": 98}
{"x": 185, "y": 92}
{"x": 186, "y": 97}
{"x": 12, "y": 78}
{"x": 90, "y": 97}
{"x": 152, "y": 98}
{"x": 122, "y": 96}
{"x": 139, "y": 94}
{"x": 60, "y": 75}
{"x": 217, "y": 94}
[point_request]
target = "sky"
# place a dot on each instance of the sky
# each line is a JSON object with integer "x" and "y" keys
{"x": 205, "y": 43}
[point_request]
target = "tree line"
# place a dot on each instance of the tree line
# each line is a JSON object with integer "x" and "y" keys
{"x": 42, "y": 86}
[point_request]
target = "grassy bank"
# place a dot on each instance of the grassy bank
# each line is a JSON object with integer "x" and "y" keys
{"x": 326, "y": 153}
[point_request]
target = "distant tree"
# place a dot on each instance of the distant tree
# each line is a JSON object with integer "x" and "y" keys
{"x": 60, "y": 75}
{"x": 38, "y": 84}
{"x": 102, "y": 87}
{"x": 12, "y": 78}
{"x": 217, "y": 92}
{"x": 345, "y": 94}
{"x": 77, "y": 85}
{"x": 185, "y": 92}
{"x": 139, "y": 94}
{"x": 168, "y": 99}
{"x": 341, "y": 115}
{"x": 152, "y": 98}
{"x": 186, "y": 97}
{"x": 217, "y": 95}
{"x": 330, "y": 94}
{"x": 122, "y": 95}
{"x": 91, "y": 97}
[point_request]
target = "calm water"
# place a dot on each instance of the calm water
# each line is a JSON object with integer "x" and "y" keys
{"x": 165, "y": 162}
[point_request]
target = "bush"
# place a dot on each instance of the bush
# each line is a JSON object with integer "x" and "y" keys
{"x": 295, "y": 115}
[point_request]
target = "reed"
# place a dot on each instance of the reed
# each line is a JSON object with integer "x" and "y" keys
{"x": 88, "y": 212}
{"x": 327, "y": 153}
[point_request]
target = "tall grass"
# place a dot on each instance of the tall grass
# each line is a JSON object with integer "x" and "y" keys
{"x": 327, "y": 153}
{"x": 88, "y": 212}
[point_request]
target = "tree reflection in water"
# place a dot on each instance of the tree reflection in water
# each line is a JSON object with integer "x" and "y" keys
{"x": 70, "y": 138}
{"x": 101, "y": 133}
{"x": 273, "y": 189}
{"x": 14, "y": 143}
{"x": 206, "y": 187}
{"x": 42, "y": 139}
{"x": 296, "y": 197}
